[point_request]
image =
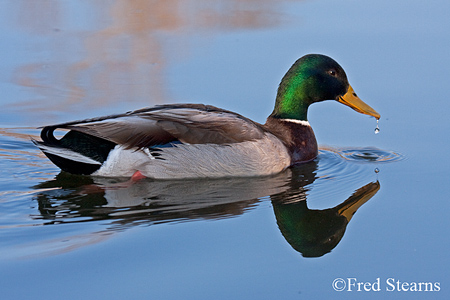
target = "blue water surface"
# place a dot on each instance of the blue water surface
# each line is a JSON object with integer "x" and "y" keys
{"x": 289, "y": 236}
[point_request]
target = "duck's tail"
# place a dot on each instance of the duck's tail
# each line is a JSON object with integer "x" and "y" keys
{"x": 76, "y": 152}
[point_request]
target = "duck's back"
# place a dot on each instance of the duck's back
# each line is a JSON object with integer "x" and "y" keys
{"x": 168, "y": 141}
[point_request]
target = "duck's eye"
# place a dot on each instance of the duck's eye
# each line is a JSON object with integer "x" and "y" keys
{"x": 332, "y": 72}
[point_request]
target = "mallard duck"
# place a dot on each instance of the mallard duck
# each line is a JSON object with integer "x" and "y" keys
{"x": 194, "y": 140}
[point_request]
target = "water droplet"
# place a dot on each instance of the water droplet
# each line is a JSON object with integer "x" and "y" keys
{"x": 377, "y": 129}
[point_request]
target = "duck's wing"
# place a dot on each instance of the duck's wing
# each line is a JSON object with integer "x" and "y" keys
{"x": 187, "y": 123}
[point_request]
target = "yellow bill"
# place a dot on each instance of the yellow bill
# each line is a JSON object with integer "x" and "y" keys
{"x": 359, "y": 197}
{"x": 350, "y": 99}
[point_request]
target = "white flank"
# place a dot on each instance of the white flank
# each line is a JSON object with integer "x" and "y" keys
{"x": 68, "y": 154}
{"x": 301, "y": 122}
{"x": 123, "y": 162}
{"x": 250, "y": 158}
{"x": 147, "y": 151}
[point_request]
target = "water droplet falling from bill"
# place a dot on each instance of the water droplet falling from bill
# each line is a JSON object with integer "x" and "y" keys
{"x": 377, "y": 129}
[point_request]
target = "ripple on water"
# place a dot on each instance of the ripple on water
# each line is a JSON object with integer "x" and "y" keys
{"x": 367, "y": 155}
{"x": 343, "y": 170}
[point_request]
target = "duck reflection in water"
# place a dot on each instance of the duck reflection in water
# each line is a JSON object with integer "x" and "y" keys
{"x": 72, "y": 198}
{"x": 314, "y": 232}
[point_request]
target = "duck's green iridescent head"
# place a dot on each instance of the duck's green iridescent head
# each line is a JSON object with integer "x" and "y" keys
{"x": 315, "y": 78}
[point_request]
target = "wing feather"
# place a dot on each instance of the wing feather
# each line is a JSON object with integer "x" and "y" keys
{"x": 188, "y": 123}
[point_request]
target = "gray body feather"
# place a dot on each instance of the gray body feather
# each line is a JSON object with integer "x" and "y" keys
{"x": 204, "y": 141}
{"x": 251, "y": 158}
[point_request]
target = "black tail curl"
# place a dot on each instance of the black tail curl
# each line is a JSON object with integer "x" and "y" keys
{"x": 87, "y": 145}
{"x": 47, "y": 136}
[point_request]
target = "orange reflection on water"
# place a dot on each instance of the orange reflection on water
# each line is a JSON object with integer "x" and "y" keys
{"x": 98, "y": 53}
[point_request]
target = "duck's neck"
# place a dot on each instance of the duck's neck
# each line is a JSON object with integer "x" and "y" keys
{"x": 297, "y": 135}
{"x": 290, "y": 111}
{"x": 287, "y": 107}
{"x": 292, "y": 99}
